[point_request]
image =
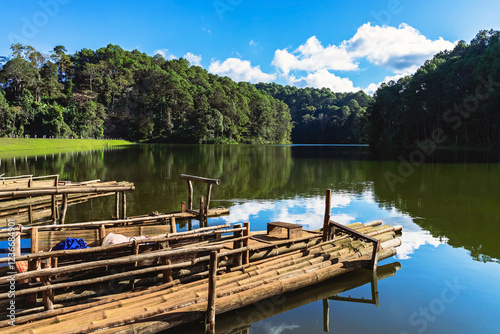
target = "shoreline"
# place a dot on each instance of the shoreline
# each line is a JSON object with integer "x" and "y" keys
{"x": 35, "y": 146}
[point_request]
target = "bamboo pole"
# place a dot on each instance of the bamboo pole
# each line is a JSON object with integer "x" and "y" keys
{"x": 207, "y": 204}
{"x": 173, "y": 225}
{"x": 200, "y": 179}
{"x": 190, "y": 195}
{"x": 117, "y": 205}
{"x": 48, "y": 295}
{"x": 124, "y": 205}
{"x": 237, "y": 258}
{"x": 33, "y": 265}
{"x": 64, "y": 207}
{"x": 202, "y": 211}
{"x": 246, "y": 235}
{"x": 53, "y": 208}
{"x": 102, "y": 234}
{"x": 328, "y": 200}
{"x": 212, "y": 284}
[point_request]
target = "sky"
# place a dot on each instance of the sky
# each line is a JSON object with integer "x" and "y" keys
{"x": 342, "y": 45}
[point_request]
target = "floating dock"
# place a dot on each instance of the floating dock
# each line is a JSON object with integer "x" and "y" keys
{"x": 147, "y": 285}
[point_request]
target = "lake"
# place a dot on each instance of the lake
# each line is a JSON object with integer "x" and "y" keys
{"x": 445, "y": 278}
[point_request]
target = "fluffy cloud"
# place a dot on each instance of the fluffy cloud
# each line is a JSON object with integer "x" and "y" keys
{"x": 312, "y": 56}
{"x": 401, "y": 49}
{"x": 323, "y": 78}
{"x": 240, "y": 70}
{"x": 193, "y": 59}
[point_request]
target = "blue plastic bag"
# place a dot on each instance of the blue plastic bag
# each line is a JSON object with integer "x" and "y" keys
{"x": 71, "y": 243}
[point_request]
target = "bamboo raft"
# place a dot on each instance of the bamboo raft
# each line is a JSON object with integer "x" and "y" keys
{"x": 173, "y": 278}
{"x": 27, "y": 199}
{"x": 240, "y": 272}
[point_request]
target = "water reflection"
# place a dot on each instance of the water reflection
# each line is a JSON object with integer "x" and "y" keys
{"x": 346, "y": 209}
{"x": 456, "y": 203}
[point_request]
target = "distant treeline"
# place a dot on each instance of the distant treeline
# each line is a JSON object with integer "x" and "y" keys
{"x": 322, "y": 116}
{"x": 452, "y": 100}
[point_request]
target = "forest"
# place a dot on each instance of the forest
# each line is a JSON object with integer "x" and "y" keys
{"x": 452, "y": 100}
{"x": 115, "y": 93}
{"x": 322, "y": 116}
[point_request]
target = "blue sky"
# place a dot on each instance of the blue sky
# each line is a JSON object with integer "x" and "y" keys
{"x": 343, "y": 45}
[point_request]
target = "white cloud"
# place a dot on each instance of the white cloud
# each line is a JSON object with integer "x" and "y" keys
{"x": 165, "y": 54}
{"x": 193, "y": 59}
{"x": 323, "y": 78}
{"x": 402, "y": 49}
{"x": 312, "y": 56}
{"x": 253, "y": 43}
{"x": 240, "y": 70}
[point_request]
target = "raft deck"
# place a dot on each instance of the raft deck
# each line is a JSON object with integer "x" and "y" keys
{"x": 277, "y": 265}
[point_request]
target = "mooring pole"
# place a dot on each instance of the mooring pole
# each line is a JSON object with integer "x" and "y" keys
{"x": 212, "y": 283}
{"x": 328, "y": 204}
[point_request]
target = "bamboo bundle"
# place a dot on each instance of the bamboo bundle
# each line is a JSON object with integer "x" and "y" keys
{"x": 238, "y": 288}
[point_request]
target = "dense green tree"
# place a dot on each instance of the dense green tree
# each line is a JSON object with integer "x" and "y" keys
{"x": 456, "y": 94}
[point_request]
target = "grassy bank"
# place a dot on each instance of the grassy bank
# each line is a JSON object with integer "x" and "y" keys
{"x": 31, "y": 146}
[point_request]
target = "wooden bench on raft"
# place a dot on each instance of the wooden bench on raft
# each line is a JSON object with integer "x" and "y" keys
{"x": 293, "y": 230}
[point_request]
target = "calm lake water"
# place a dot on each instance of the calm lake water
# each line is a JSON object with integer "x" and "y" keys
{"x": 445, "y": 278}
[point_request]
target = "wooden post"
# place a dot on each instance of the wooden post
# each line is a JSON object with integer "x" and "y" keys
{"x": 48, "y": 296}
{"x": 102, "y": 234}
{"x": 33, "y": 265}
{"x": 17, "y": 240}
{"x": 117, "y": 205}
{"x": 326, "y": 316}
{"x": 183, "y": 206}
{"x": 30, "y": 215}
{"x": 124, "y": 205}
{"x": 167, "y": 273}
{"x": 212, "y": 294}
{"x": 246, "y": 233}
{"x": 202, "y": 207}
{"x": 376, "y": 247}
{"x": 207, "y": 204}
{"x": 328, "y": 203}
{"x": 173, "y": 225}
{"x": 238, "y": 257}
{"x": 190, "y": 195}
{"x": 64, "y": 208}
{"x": 53, "y": 207}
